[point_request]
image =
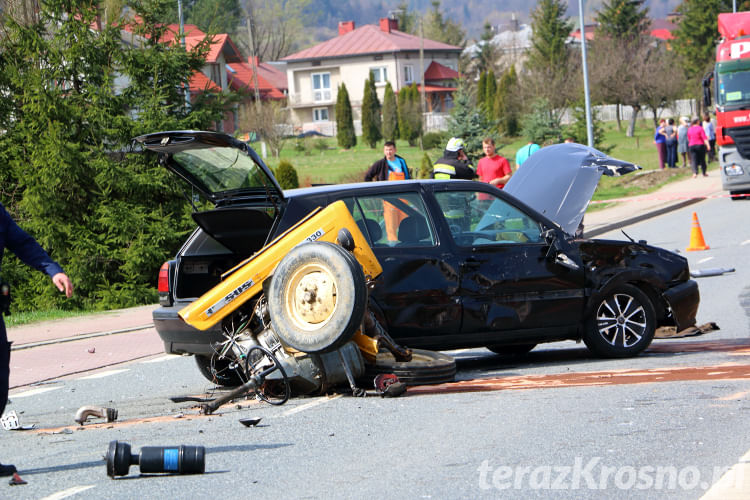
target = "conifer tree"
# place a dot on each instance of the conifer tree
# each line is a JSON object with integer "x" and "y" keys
{"x": 390, "y": 114}
{"x": 344, "y": 120}
{"x": 550, "y": 29}
{"x": 468, "y": 121}
{"x": 114, "y": 217}
{"x": 506, "y": 106}
{"x": 371, "y": 123}
{"x": 622, "y": 19}
{"x": 490, "y": 91}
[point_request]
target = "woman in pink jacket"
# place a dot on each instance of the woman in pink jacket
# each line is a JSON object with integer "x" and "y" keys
{"x": 697, "y": 146}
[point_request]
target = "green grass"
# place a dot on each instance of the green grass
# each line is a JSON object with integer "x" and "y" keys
{"x": 22, "y": 318}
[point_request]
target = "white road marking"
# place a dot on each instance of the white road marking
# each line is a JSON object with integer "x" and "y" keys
{"x": 746, "y": 242}
{"x": 735, "y": 483}
{"x": 68, "y": 493}
{"x": 103, "y": 374}
{"x": 309, "y": 405}
{"x": 166, "y": 357}
{"x": 704, "y": 260}
{"x": 34, "y": 392}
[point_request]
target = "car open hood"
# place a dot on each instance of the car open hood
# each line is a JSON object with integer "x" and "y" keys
{"x": 220, "y": 167}
{"x": 559, "y": 180}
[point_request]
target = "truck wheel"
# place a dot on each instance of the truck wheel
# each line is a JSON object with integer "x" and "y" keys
{"x": 622, "y": 325}
{"x": 425, "y": 367}
{"x": 317, "y": 297}
{"x": 218, "y": 371}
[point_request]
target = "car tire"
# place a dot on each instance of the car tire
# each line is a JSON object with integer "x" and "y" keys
{"x": 511, "y": 350}
{"x": 218, "y": 371}
{"x": 425, "y": 367}
{"x": 317, "y": 297}
{"x": 622, "y": 324}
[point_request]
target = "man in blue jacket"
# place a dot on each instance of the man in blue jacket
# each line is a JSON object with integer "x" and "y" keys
{"x": 28, "y": 250}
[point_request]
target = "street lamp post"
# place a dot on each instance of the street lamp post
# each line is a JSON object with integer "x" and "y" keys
{"x": 589, "y": 127}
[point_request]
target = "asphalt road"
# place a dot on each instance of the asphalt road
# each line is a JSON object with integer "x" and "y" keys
{"x": 556, "y": 424}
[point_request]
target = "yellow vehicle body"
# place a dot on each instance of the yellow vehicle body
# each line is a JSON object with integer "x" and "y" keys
{"x": 245, "y": 280}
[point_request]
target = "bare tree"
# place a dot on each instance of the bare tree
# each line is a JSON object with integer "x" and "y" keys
{"x": 277, "y": 27}
{"x": 649, "y": 79}
{"x": 269, "y": 120}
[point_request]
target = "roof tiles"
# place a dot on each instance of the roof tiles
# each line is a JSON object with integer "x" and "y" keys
{"x": 368, "y": 39}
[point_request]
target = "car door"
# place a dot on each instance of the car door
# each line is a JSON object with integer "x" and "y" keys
{"x": 508, "y": 284}
{"x": 416, "y": 291}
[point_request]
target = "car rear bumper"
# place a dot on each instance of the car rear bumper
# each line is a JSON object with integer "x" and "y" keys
{"x": 683, "y": 299}
{"x": 181, "y": 338}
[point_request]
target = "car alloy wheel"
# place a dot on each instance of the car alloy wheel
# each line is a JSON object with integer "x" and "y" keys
{"x": 623, "y": 323}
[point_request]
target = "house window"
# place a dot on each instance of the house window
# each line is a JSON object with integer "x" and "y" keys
{"x": 320, "y": 114}
{"x": 408, "y": 74}
{"x": 321, "y": 83}
{"x": 379, "y": 75}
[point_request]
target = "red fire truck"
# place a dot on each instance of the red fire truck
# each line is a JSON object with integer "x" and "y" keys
{"x": 731, "y": 77}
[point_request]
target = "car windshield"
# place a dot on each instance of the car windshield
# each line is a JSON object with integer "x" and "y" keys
{"x": 222, "y": 169}
{"x": 733, "y": 82}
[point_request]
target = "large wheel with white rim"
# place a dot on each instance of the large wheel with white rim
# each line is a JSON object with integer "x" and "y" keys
{"x": 317, "y": 297}
{"x": 622, "y": 324}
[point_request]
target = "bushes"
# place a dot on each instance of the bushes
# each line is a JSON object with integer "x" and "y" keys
{"x": 435, "y": 140}
{"x": 286, "y": 175}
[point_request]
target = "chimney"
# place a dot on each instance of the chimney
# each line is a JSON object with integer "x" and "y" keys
{"x": 345, "y": 27}
{"x": 388, "y": 25}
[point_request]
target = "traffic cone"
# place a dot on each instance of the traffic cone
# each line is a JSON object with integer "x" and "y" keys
{"x": 696, "y": 236}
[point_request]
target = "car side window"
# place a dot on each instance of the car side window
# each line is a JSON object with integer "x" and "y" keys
{"x": 397, "y": 219}
{"x": 478, "y": 218}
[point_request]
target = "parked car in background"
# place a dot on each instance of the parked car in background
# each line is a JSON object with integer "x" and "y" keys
{"x": 469, "y": 266}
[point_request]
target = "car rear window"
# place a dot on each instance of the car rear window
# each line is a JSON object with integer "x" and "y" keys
{"x": 222, "y": 169}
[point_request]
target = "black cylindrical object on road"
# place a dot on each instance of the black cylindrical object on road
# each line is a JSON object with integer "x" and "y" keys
{"x": 156, "y": 459}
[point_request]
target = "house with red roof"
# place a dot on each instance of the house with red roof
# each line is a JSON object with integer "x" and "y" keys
{"x": 381, "y": 51}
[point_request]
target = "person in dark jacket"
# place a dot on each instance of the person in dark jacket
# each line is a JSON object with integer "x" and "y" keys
{"x": 28, "y": 250}
{"x": 454, "y": 164}
{"x": 389, "y": 168}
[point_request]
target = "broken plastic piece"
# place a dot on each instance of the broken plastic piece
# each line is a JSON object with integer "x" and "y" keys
{"x": 16, "y": 480}
{"x": 250, "y": 422}
{"x": 170, "y": 459}
{"x": 9, "y": 421}
{"x": 85, "y": 412}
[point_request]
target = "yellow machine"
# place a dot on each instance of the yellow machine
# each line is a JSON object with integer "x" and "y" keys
{"x": 245, "y": 280}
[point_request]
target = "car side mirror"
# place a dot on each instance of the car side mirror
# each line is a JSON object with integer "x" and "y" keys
{"x": 556, "y": 250}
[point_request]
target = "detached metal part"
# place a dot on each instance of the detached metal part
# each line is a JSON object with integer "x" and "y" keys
{"x": 84, "y": 412}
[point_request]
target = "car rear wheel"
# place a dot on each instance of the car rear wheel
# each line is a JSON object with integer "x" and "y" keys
{"x": 622, "y": 325}
{"x": 317, "y": 297}
{"x": 425, "y": 367}
{"x": 511, "y": 350}
{"x": 218, "y": 371}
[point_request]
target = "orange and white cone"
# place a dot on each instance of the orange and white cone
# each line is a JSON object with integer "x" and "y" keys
{"x": 696, "y": 236}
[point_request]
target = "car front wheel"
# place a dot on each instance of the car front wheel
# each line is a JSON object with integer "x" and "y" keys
{"x": 622, "y": 324}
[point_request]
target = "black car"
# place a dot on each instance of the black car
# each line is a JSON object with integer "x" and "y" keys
{"x": 464, "y": 264}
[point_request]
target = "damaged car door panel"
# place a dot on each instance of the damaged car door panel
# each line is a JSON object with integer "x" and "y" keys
{"x": 463, "y": 263}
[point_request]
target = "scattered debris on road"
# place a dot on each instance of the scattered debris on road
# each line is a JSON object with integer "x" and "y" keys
{"x": 84, "y": 412}
{"x": 713, "y": 271}
{"x": 250, "y": 422}
{"x": 16, "y": 480}
{"x": 10, "y": 422}
{"x": 182, "y": 459}
{"x": 668, "y": 332}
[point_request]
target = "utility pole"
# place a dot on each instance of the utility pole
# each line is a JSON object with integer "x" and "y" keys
{"x": 182, "y": 41}
{"x": 253, "y": 61}
{"x": 589, "y": 125}
{"x": 421, "y": 77}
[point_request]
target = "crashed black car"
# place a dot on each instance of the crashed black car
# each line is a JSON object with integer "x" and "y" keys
{"x": 464, "y": 264}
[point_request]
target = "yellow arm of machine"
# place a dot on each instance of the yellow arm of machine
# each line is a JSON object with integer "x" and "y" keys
{"x": 245, "y": 280}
